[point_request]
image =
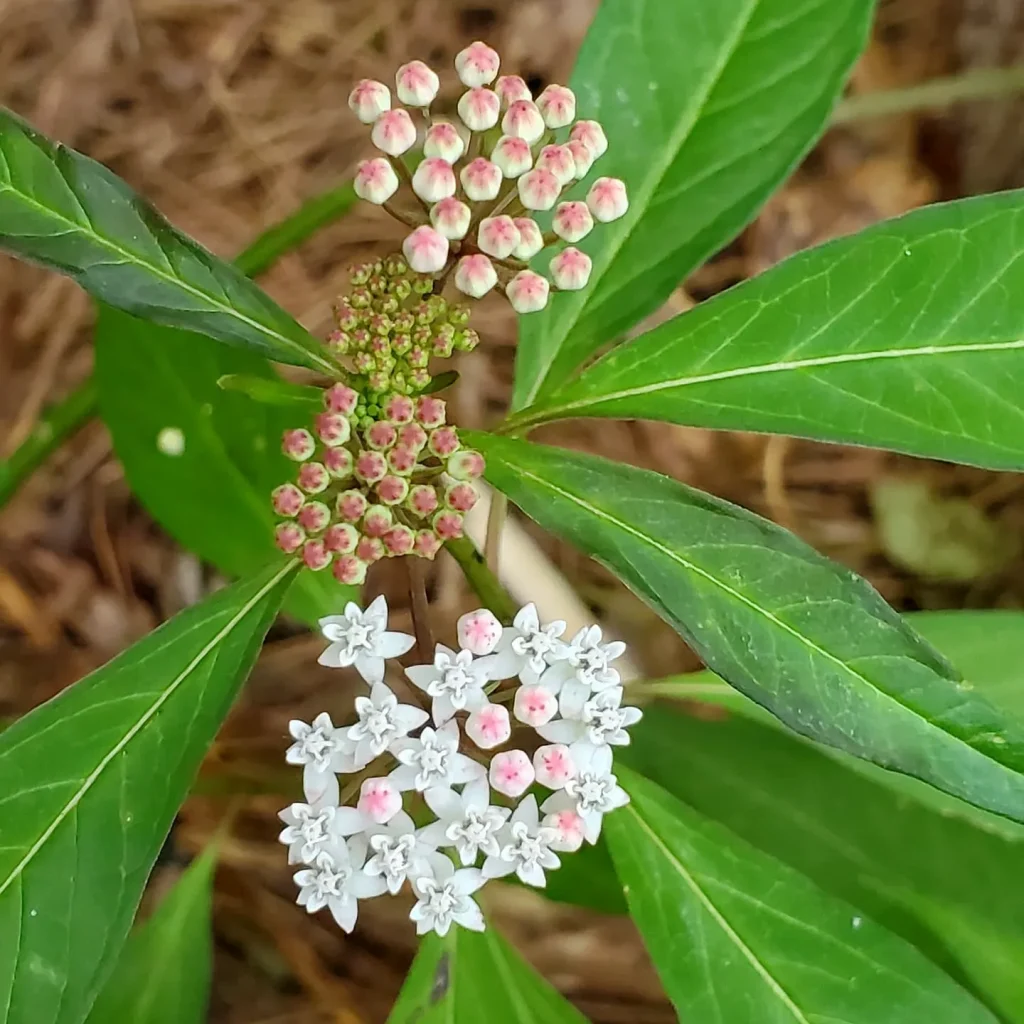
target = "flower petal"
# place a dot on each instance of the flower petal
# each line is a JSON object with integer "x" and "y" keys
{"x": 467, "y": 880}
{"x": 407, "y": 717}
{"x": 574, "y": 695}
{"x": 422, "y": 675}
{"x": 404, "y": 777}
{"x": 321, "y": 788}
{"x": 476, "y": 795}
{"x": 445, "y": 803}
{"x": 527, "y": 812}
{"x": 504, "y": 662}
{"x": 377, "y": 610}
{"x": 365, "y": 887}
{"x": 344, "y": 910}
{"x": 561, "y": 731}
{"x": 442, "y": 709}
{"x": 526, "y": 620}
{"x": 348, "y": 821}
{"x": 592, "y": 826}
{"x": 394, "y": 645}
{"x": 470, "y": 917}
{"x": 465, "y": 769}
{"x": 495, "y": 867}
{"x": 532, "y": 874}
{"x": 434, "y": 834}
{"x": 334, "y": 657}
{"x": 560, "y": 801}
{"x": 370, "y": 667}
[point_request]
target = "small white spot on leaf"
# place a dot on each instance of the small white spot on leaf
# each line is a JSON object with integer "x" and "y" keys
{"x": 857, "y": 922}
{"x": 171, "y": 441}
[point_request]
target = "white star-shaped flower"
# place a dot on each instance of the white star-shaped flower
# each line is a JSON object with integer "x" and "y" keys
{"x": 444, "y": 897}
{"x": 585, "y": 666}
{"x": 322, "y": 750}
{"x": 465, "y": 820}
{"x": 592, "y": 792}
{"x": 597, "y": 720}
{"x": 335, "y": 881}
{"x": 525, "y": 847}
{"x": 361, "y": 639}
{"x": 382, "y": 720}
{"x": 433, "y": 759}
{"x": 526, "y": 648}
{"x": 455, "y": 681}
{"x": 309, "y": 831}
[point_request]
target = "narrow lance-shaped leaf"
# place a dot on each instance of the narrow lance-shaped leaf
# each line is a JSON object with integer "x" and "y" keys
{"x": 808, "y": 639}
{"x": 89, "y": 786}
{"x": 909, "y": 336}
{"x": 707, "y": 106}
{"x": 71, "y": 214}
{"x": 737, "y": 936}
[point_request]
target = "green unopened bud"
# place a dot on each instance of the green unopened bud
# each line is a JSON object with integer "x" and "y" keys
{"x": 360, "y": 273}
{"x": 360, "y": 298}
{"x": 379, "y": 380}
{"x": 458, "y": 315}
{"x": 422, "y": 285}
{"x": 401, "y": 289}
{"x": 363, "y": 362}
{"x": 438, "y": 306}
{"x": 418, "y": 380}
{"x": 401, "y": 343}
{"x": 466, "y": 340}
{"x": 395, "y": 266}
{"x": 386, "y": 304}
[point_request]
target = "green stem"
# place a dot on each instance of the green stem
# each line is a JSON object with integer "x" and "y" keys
{"x": 67, "y": 417}
{"x": 486, "y": 585}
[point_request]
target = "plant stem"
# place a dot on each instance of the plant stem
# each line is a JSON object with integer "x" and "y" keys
{"x": 420, "y": 609}
{"x": 67, "y": 417}
{"x": 486, "y": 585}
{"x": 495, "y": 527}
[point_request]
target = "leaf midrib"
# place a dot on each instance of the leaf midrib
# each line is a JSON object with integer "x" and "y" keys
{"x": 143, "y": 721}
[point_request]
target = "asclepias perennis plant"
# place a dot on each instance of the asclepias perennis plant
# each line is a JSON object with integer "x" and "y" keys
{"x": 841, "y": 843}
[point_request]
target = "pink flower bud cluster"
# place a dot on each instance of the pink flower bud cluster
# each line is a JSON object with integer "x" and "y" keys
{"x": 482, "y": 178}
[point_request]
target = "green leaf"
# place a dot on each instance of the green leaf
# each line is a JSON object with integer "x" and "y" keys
{"x": 164, "y": 973}
{"x": 214, "y": 496}
{"x": 737, "y": 936}
{"x": 89, "y": 786}
{"x": 906, "y": 336}
{"x": 471, "y": 976}
{"x": 273, "y": 391}
{"x": 71, "y": 214}
{"x": 808, "y": 639}
{"x": 708, "y": 105}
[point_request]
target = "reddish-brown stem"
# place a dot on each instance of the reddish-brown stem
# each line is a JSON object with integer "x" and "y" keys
{"x": 420, "y": 609}
{"x": 404, "y": 218}
{"x": 403, "y": 173}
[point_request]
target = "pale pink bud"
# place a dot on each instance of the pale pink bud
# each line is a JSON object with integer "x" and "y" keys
{"x": 511, "y": 773}
{"x": 488, "y": 727}
{"x": 498, "y": 236}
{"x": 466, "y": 465}
{"x": 513, "y": 156}
{"x": 479, "y": 109}
{"x": 416, "y": 84}
{"x": 378, "y": 520}
{"x": 333, "y": 429}
{"x": 393, "y": 132}
{"x": 475, "y": 275}
{"x": 351, "y": 505}
{"x": 412, "y": 436}
{"x": 569, "y": 828}
{"x": 607, "y": 199}
{"x": 479, "y": 631}
{"x": 341, "y": 538}
{"x": 592, "y": 135}
{"x": 314, "y": 516}
{"x": 570, "y": 270}
{"x": 538, "y": 189}
{"x": 582, "y": 158}
{"x": 477, "y": 64}
{"x": 572, "y": 221}
{"x": 370, "y": 549}
{"x": 527, "y": 292}
{"x": 461, "y": 497}
{"x": 287, "y": 500}
{"x": 426, "y": 250}
{"x": 298, "y": 444}
{"x": 531, "y": 239}
{"x": 553, "y": 765}
{"x": 451, "y": 218}
{"x": 535, "y": 705}
{"x": 523, "y": 120}
{"x": 443, "y": 140}
{"x": 381, "y": 435}
{"x": 369, "y": 99}
{"x": 481, "y": 179}
{"x": 431, "y": 411}
{"x": 402, "y": 459}
{"x": 349, "y": 570}
{"x": 427, "y": 544}
{"x": 422, "y": 500}
{"x": 511, "y": 88}
{"x": 371, "y": 467}
{"x": 448, "y": 525}
{"x": 399, "y": 409}
{"x": 557, "y": 105}
{"x": 339, "y": 462}
{"x": 433, "y": 180}
{"x": 341, "y": 398}
{"x": 313, "y": 477}
{"x": 444, "y": 441}
{"x": 392, "y": 489}
{"x": 379, "y": 800}
{"x": 376, "y": 181}
{"x": 315, "y": 555}
{"x": 559, "y": 161}
{"x": 289, "y": 537}
{"x": 399, "y": 540}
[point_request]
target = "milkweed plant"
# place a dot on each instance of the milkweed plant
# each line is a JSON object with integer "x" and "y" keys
{"x": 835, "y": 835}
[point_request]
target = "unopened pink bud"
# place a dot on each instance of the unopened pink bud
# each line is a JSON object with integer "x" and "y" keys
{"x": 511, "y": 88}
{"x": 427, "y": 544}
{"x": 402, "y": 459}
{"x": 341, "y": 538}
{"x": 538, "y": 189}
{"x": 315, "y": 555}
{"x": 298, "y": 444}
{"x": 592, "y": 135}
{"x": 559, "y": 161}
{"x": 377, "y": 520}
{"x": 477, "y": 64}
{"x": 511, "y": 773}
{"x": 422, "y": 500}
{"x": 531, "y": 239}
{"x": 375, "y": 180}
{"x": 349, "y": 570}
{"x": 339, "y": 462}
{"x": 466, "y": 465}
{"x": 570, "y": 269}
{"x": 399, "y": 540}
{"x": 451, "y": 217}
{"x": 607, "y": 199}
{"x": 287, "y": 500}
{"x": 535, "y": 705}
{"x": 399, "y": 409}
{"x": 289, "y": 537}
{"x": 392, "y": 489}
{"x": 426, "y": 250}
{"x": 497, "y": 236}
{"x": 527, "y": 292}
{"x": 313, "y": 477}
{"x": 513, "y": 156}
{"x": 416, "y": 84}
{"x": 481, "y": 180}
{"x": 569, "y": 828}
{"x": 430, "y": 411}
{"x": 479, "y": 631}
{"x": 314, "y": 516}
{"x": 369, "y": 99}
{"x": 523, "y": 120}
{"x": 351, "y": 505}
{"x": 475, "y": 275}
{"x": 412, "y": 436}
{"x": 341, "y": 398}
{"x": 479, "y": 109}
{"x": 370, "y": 549}
{"x": 393, "y": 132}
{"x": 488, "y": 727}
{"x": 333, "y": 429}
{"x": 448, "y": 525}
{"x": 379, "y": 800}
{"x": 370, "y": 467}
{"x": 557, "y": 105}
{"x": 443, "y": 442}
{"x": 572, "y": 221}
{"x": 443, "y": 140}
{"x": 553, "y": 765}
{"x": 381, "y": 435}
{"x": 433, "y": 180}
{"x": 461, "y": 497}
{"x": 582, "y": 158}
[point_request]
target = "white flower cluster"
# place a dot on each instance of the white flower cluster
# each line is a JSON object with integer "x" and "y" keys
{"x": 565, "y": 693}
{"x": 485, "y": 174}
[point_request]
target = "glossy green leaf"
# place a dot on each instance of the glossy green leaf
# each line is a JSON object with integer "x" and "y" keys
{"x": 906, "y": 336}
{"x": 71, "y": 214}
{"x": 213, "y": 496}
{"x": 737, "y": 936}
{"x": 808, "y": 639}
{"x": 475, "y": 976}
{"x": 164, "y": 972}
{"x": 707, "y": 105}
{"x": 89, "y": 786}
{"x": 274, "y": 391}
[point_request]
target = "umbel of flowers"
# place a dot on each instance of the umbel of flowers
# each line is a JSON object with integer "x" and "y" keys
{"x": 455, "y": 789}
{"x": 480, "y": 178}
